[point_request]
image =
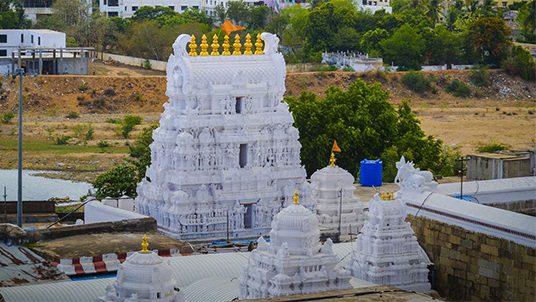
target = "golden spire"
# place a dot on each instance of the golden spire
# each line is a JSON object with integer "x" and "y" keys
{"x": 332, "y": 160}
{"x": 193, "y": 47}
{"x": 226, "y": 46}
{"x": 387, "y": 195}
{"x": 258, "y": 45}
{"x": 296, "y": 198}
{"x": 204, "y": 46}
{"x": 144, "y": 244}
{"x": 215, "y": 46}
{"x": 248, "y": 45}
{"x": 237, "y": 46}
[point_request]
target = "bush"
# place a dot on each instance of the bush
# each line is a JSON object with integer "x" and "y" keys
{"x": 491, "y": 147}
{"x": 324, "y": 68}
{"x": 72, "y": 115}
{"x": 119, "y": 181}
{"x": 416, "y": 81}
{"x": 62, "y": 140}
{"x": 83, "y": 87}
{"x": 109, "y": 92}
{"x": 458, "y": 89}
{"x": 128, "y": 123}
{"x": 7, "y": 117}
{"x": 147, "y": 64}
{"x": 103, "y": 144}
{"x": 89, "y": 133}
{"x": 520, "y": 63}
{"x": 480, "y": 76}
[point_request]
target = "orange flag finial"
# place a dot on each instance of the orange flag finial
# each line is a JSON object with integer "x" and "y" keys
{"x": 335, "y": 147}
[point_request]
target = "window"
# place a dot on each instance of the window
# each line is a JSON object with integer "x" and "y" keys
{"x": 184, "y": 7}
{"x": 31, "y": 39}
{"x": 22, "y": 38}
{"x": 243, "y": 157}
{"x": 113, "y": 14}
{"x": 238, "y": 105}
{"x": 134, "y": 8}
{"x": 172, "y": 7}
{"x": 3, "y": 52}
{"x": 38, "y": 40}
{"x": 195, "y": 7}
{"x": 113, "y": 2}
{"x": 3, "y": 38}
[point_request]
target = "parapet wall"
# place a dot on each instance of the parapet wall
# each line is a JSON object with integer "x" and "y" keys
{"x": 476, "y": 266}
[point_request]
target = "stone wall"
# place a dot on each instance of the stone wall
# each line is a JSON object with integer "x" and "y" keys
{"x": 476, "y": 266}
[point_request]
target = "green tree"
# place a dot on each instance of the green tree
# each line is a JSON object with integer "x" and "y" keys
{"x": 405, "y": 48}
{"x": 238, "y": 12}
{"x": 370, "y": 41}
{"x": 527, "y": 21}
{"x": 221, "y": 12}
{"x": 442, "y": 46}
{"x": 520, "y": 62}
{"x": 118, "y": 181}
{"x": 257, "y": 17}
{"x": 12, "y": 15}
{"x": 488, "y": 40}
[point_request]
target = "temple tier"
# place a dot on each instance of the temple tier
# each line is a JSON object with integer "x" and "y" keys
{"x": 226, "y": 157}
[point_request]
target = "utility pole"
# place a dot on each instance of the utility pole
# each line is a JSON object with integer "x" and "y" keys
{"x": 19, "y": 72}
{"x": 461, "y": 171}
{"x": 340, "y": 213}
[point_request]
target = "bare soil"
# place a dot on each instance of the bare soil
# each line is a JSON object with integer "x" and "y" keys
{"x": 504, "y": 112}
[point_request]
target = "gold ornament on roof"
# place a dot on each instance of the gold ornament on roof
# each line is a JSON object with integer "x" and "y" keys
{"x": 332, "y": 160}
{"x": 296, "y": 198}
{"x": 193, "y": 47}
{"x": 237, "y": 46}
{"x": 226, "y": 46}
{"x": 258, "y": 45}
{"x": 144, "y": 244}
{"x": 387, "y": 195}
{"x": 204, "y": 46}
{"x": 215, "y": 46}
{"x": 248, "y": 45}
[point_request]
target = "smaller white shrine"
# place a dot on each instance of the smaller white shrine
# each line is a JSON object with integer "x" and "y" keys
{"x": 337, "y": 209}
{"x": 294, "y": 262}
{"x": 409, "y": 178}
{"x": 387, "y": 251}
{"x": 143, "y": 277}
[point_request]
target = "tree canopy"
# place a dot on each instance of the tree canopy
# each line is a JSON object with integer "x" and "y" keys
{"x": 12, "y": 15}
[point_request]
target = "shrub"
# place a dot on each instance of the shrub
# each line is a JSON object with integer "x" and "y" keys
{"x": 128, "y": 123}
{"x": 72, "y": 115}
{"x": 458, "y": 88}
{"x": 480, "y": 76}
{"x": 7, "y": 117}
{"x": 324, "y": 68}
{"x": 147, "y": 64}
{"x": 89, "y": 133}
{"x": 416, "y": 81}
{"x": 520, "y": 63}
{"x": 62, "y": 140}
{"x": 119, "y": 181}
{"x": 83, "y": 87}
{"x": 103, "y": 144}
{"x": 348, "y": 68}
{"x": 109, "y": 92}
{"x": 491, "y": 147}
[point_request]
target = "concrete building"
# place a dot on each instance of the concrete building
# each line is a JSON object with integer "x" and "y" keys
{"x": 375, "y": 5}
{"x": 35, "y": 9}
{"x": 127, "y": 8}
{"x": 501, "y": 165}
{"x": 40, "y": 51}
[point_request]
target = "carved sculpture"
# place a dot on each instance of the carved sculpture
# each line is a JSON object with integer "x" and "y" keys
{"x": 410, "y": 178}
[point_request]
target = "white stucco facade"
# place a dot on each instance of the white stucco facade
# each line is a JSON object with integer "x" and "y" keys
{"x": 226, "y": 156}
{"x": 127, "y": 8}
{"x": 375, "y": 5}
{"x": 294, "y": 262}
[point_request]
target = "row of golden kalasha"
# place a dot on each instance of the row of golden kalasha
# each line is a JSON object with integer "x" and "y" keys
{"x": 226, "y": 46}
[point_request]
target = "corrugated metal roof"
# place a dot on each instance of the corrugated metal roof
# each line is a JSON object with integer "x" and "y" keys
{"x": 194, "y": 274}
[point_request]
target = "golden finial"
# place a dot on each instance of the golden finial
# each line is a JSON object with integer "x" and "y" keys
{"x": 296, "y": 198}
{"x": 237, "y": 46}
{"x": 193, "y": 47}
{"x": 204, "y": 46}
{"x": 226, "y": 46}
{"x": 144, "y": 244}
{"x": 258, "y": 45}
{"x": 248, "y": 45}
{"x": 215, "y": 46}
{"x": 332, "y": 160}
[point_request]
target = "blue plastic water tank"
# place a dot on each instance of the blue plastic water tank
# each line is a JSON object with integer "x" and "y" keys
{"x": 370, "y": 173}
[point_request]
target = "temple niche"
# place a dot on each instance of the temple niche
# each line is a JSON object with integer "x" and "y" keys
{"x": 294, "y": 262}
{"x": 225, "y": 158}
{"x": 387, "y": 251}
{"x": 333, "y": 190}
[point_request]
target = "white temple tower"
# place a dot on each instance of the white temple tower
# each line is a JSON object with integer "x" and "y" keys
{"x": 333, "y": 190}
{"x": 143, "y": 277}
{"x": 294, "y": 262}
{"x": 387, "y": 251}
{"x": 226, "y": 156}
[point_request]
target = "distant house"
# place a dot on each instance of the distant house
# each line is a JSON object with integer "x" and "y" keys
{"x": 40, "y": 51}
{"x": 36, "y": 9}
{"x": 375, "y": 5}
{"x": 501, "y": 165}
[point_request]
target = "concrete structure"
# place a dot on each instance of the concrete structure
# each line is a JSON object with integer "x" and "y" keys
{"x": 226, "y": 157}
{"x": 40, "y": 51}
{"x": 386, "y": 251}
{"x": 375, "y": 5}
{"x": 36, "y": 9}
{"x": 143, "y": 277}
{"x": 336, "y": 206}
{"x": 127, "y": 8}
{"x": 96, "y": 211}
{"x": 358, "y": 62}
{"x": 294, "y": 262}
{"x": 501, "y": 165}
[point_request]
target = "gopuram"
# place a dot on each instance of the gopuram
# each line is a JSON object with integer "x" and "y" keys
{"x": 225, "y": 158}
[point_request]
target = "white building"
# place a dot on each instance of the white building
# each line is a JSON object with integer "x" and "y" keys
{"x": 375, "y": 5}
{"x": 294, "y": 262}
{"x": 143, "y": 277}
{"x": 11, "y": 40}
{"x": 226, "y": 157}
{"x": 387, "y": 251}
{"x": 36, "y": 9}
{"x": 127, "y": 8}
{"x": 336, "y": 206}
